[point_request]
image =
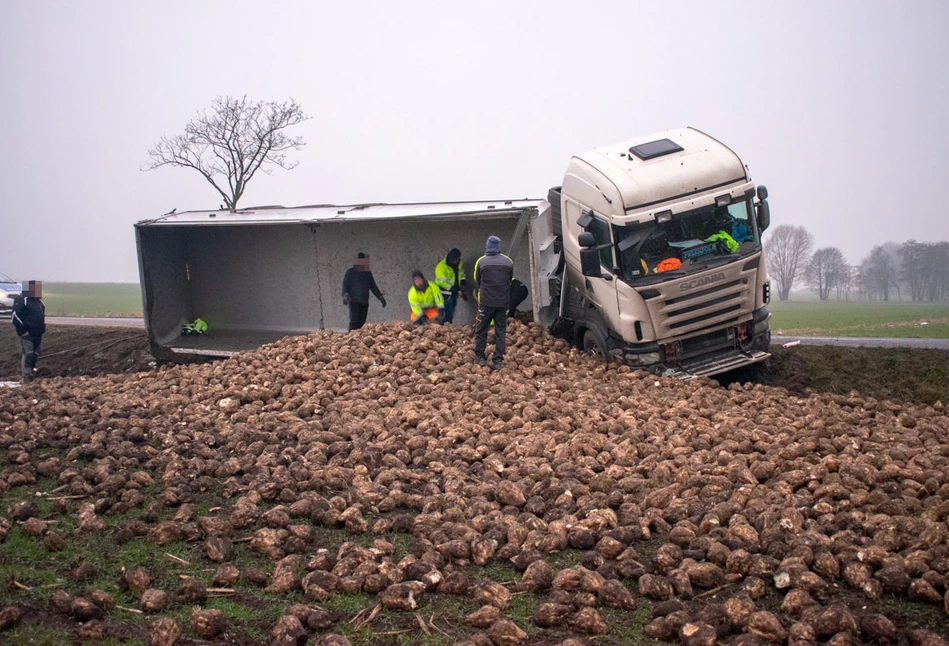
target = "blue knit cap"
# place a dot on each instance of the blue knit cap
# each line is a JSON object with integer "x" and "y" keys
{"x": 493, "y": 246}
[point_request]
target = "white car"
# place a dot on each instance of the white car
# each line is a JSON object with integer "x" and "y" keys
{"x": 9, "y": 289}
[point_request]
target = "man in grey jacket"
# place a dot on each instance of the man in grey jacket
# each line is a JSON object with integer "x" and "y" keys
{"x": 493, "y": 273}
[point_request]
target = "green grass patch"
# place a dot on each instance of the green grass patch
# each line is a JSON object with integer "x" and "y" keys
{"x": 521, "y": 610}
{"x": 869, "y": 319}
{"x": 38, "y": 635}
{"x": 350, "y": 603}
{"x": 93, "y": 299}
{"x": 20, "y": 559}
{"x": 495, "y": 571}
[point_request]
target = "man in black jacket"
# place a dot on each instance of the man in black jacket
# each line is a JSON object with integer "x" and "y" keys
{"x": 357, "y": 283}
{"x": 29, "y": 319}
{"x": 493, "y": 273}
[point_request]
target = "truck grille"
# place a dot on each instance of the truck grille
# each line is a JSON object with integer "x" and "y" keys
{"x": 726, "y": 299}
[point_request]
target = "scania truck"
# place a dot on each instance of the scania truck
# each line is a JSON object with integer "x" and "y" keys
{"x": 663, "y": 263}
{"x": 648, "y": 253}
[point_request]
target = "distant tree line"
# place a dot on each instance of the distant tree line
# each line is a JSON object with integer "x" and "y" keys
{"x": 917, "y": 270}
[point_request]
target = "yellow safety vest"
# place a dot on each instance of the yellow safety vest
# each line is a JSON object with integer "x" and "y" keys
{"x": 431, "y": 296}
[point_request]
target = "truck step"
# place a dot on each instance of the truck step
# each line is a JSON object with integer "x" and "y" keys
{"x": 704, "y": 368}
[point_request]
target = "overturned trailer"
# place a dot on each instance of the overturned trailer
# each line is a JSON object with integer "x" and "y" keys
{"x": 649, "y": 253}
{"x": 256, "y": 275}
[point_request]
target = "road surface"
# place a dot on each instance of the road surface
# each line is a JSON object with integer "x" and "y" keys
{"x": 95, "y": 322}
{"x": 860, "y": 342}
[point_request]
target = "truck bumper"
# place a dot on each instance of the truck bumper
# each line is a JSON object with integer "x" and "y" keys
{"x": 703, "y": 356}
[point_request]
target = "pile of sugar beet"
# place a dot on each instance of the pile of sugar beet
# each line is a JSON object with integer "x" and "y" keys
{"x": 736, "y": 515}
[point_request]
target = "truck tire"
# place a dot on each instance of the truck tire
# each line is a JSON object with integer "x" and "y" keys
{"x": 595, "y": 344}
{"x": 556, "y": 219}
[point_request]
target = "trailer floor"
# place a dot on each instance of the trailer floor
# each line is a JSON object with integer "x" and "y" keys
{"x": 224, "y": 343}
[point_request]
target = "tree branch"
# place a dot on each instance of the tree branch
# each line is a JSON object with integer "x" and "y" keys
{"x": 231, "y": 143}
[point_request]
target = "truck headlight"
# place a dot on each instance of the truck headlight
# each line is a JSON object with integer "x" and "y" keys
{"x": 766, "y": 293}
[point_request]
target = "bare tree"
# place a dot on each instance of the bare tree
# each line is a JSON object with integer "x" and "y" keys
{"x": 231, "y": 142}
{"x": 925, "y": 269}
{"x": 826, "y": 270}
{"x": 788, "y": 251}
{"x": 913, "y": 267}
{"x": 878, "y": 273}
{"x": 847, "y": 282}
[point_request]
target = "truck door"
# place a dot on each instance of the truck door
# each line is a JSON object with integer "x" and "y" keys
{"x": 601, "y": 292}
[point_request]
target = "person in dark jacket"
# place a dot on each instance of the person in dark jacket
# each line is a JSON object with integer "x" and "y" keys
{"x": 29, "y": 319}
{"x": 493, "y": 273}
{"x": 357, "y": 283}
{"x": 518, "y": 295}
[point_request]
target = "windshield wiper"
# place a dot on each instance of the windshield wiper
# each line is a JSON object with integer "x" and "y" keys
{"x": 651, "y": 279}
{"x": 718, "y": 262}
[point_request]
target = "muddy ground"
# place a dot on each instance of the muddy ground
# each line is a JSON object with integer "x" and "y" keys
{"x": 377, "y": 488}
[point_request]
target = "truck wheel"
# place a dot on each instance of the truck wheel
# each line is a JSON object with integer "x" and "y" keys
{"x": 594, "y": 344}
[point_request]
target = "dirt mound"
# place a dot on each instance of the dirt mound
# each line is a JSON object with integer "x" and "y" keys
{"x": 728, "y": 512}
{"x": 71, "y": 351}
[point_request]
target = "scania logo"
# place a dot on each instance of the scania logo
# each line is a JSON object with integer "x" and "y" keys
{"x": 704, "y": 280}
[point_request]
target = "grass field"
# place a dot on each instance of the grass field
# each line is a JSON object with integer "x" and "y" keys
{"x": 876, "y": 319}
{"x": 92, "y": 299}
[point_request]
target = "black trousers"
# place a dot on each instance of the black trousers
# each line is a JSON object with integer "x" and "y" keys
{"x": 29, "y": 353}
{"x": 483, "y": 323}
{"x": 357, "y": 315}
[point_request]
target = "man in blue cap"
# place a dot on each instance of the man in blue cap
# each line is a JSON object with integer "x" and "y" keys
{"x": 493, "y": 274}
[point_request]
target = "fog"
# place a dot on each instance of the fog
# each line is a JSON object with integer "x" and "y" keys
{"x": 837, "y": 107}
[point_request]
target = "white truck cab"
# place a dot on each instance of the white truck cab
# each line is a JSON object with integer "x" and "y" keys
{"x": 663, "y": 263}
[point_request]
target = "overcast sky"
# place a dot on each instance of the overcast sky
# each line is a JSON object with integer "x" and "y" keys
{"x": 839, "y": 108}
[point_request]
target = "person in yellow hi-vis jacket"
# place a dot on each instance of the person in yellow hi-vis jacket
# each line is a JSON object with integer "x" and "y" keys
{"x": 425, "y": 299}
{"x": 450, "y": 278}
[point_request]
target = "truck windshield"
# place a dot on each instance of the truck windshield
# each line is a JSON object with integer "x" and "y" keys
{"x": 689, "y": 242}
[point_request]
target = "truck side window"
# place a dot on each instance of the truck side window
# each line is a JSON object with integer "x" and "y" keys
{"x": 601, "y": 231}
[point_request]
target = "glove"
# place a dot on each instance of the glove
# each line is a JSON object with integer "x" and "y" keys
{"x": 382, "y": 299}
{"x": 441, "y": 314}
{"x": 345, "y": 299}
{"x": 453, "y": 292}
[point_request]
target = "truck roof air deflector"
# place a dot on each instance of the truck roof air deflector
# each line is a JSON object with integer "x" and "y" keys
{"x": 655, "y": 149}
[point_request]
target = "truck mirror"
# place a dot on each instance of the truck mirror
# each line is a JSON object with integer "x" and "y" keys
{"x": 587, "y": 240}
{"x": 590, "y": 262}
{"x": 764, "y": 214}
{"x": 762, "y": 193}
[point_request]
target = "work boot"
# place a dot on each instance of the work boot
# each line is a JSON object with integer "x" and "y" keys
{"x": 495, "y": 366}
{"x": 481, "y": 361}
